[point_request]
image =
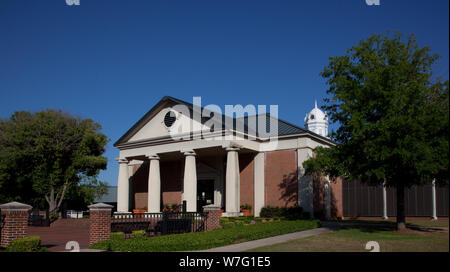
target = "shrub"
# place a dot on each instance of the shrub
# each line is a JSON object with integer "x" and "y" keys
{"x": 26, "y": 244}
{"x": 229, "y": 222}
{"x": 116, "y": 235}
{"x": 319, "y": 214}
{"x": 289, "y": 213}
{"x": 139, "y": 233}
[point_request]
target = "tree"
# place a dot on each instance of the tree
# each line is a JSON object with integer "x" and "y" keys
{"x": 393, "y": 119}
{"x": 44, "y": 154}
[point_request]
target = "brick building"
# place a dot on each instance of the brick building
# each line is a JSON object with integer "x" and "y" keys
{"x": 181, "y": 151}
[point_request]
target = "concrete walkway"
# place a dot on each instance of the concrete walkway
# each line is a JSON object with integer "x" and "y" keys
{"x": 272, "y": 240}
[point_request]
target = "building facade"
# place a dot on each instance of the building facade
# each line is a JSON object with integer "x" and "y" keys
{"x": 211, "y": 163}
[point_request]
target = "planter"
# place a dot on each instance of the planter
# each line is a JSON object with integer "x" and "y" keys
{"x": 221, "y": 212}
{"x": 138, "y": 213}
{"x": 246, "y": 212}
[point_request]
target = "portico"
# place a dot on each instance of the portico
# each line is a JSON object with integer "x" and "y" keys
{"x": 217, "y": 164}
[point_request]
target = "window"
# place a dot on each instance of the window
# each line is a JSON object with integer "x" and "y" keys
{"x": 169, "y": 119}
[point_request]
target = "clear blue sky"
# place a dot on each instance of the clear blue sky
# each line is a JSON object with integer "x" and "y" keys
{"x": 112, "y": 60}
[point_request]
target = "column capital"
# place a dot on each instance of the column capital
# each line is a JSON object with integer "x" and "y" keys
{"x": 188, "y": 152}
{"x": 122, "y": 160}
{"x": 152, "y": 157}
{"x": 232, "y": 148}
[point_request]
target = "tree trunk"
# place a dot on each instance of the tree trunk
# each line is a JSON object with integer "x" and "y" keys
{"x": 401, "y": 220}
{"x": 53, "y": 202}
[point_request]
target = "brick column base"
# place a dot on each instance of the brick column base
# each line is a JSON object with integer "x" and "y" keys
{"x": 14, "y": 217}
{"x": 212, "y": 219}
{"x": 99, "y": 222}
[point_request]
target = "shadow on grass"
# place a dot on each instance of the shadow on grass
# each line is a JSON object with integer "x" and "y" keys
{"x": 377, "y": 226}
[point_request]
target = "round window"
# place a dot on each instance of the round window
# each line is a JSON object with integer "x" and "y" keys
{"x": 169, "y": 119}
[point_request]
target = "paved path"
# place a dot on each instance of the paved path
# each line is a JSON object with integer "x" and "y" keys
{"x": 56, "y": 236}
{"x": 272, "y": 240}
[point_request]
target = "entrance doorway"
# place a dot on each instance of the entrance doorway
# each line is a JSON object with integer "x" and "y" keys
{"x": 205, "y": 193}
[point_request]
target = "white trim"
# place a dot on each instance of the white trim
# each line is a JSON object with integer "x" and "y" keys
{"x": 259, "y": 164}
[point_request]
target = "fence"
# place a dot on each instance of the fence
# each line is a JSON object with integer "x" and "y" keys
{"x": 102, "y": 222}
{"x": 39, "y": 218}
{"x": 362, "y": 200}
{"x": 159, "y": 223}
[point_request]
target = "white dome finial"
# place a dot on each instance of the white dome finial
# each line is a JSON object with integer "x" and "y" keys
{"x": 317, "y": 121}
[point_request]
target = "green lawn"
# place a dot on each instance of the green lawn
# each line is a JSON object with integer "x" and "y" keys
{"x": 429, "y": 223}
{"x": 231, "y": 234}
{"x": 354, "y": 239}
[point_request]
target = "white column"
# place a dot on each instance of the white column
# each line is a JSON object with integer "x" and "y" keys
{"x": 190, "y": 181}
{"x": 123, "y": 187}
{"x": 259, "y": 183}
{"x": 433, "y": 200}
{"x": 232, "y": 202}
{"x": 385, "y": 216}
{"x": 154, "y": 185}
{"x": 327, "y": 199}
{"x": 305, "y": 183}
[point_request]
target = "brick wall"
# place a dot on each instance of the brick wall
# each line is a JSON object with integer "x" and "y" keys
{"x": 337, "y": 201}
{"x": 280, "y": 181}
{"x": 15, "y": 222}
{"x": 247, "y": 179}
{"x": 99, "y": 222}
{"x": 139, "y": 185}
{"x": 336, "y": 196}
{"x": 171, "y": 183}
{"x": 213, "y": 218}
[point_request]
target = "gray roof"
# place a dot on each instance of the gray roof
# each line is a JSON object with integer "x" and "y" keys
{"x": 109, "y": 197}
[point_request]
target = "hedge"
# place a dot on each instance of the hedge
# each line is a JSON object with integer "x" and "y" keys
{"x": 289, "y": 213}
{"x": 206, "y": 240}
{"x": 26, "y": 244}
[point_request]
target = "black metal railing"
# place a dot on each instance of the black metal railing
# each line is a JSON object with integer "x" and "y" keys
{"x": 159, "y": 223}
{"x": 36, "y": 218}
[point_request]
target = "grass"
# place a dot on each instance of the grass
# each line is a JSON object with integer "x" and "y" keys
{"x": 354, "y": 239}
{"x": 204, "y": 240}
{"x": 429, "y": 223}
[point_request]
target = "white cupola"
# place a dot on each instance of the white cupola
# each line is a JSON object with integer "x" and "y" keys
{"x": 317, "y": 121}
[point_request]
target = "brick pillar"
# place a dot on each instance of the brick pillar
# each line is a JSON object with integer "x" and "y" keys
{"x": 99, "y": 222}
{"x": 212, "y": 219}
{"x": 15, "y": 221}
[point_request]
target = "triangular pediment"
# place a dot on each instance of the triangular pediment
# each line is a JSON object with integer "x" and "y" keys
{"x": 153, "y": 124}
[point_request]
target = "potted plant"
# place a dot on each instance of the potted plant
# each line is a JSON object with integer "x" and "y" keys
{"x": 166, "y": 208}
{"x": 246, "y": 209}
{"x": 175, "y": 207}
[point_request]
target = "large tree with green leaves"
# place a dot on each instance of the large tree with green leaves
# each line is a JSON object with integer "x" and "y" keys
{"x": 48, "y": 155}
{"x": 392, "y": 116}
